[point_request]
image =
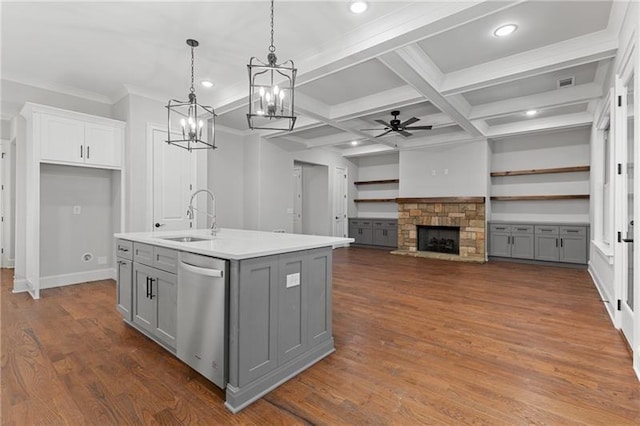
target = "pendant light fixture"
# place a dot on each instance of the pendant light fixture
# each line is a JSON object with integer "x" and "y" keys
{"x": 197, "y": 122}
{"x": 271, "y": 91}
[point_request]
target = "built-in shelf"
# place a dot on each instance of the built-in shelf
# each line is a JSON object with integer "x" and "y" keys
{"x": 374, "y": 182}
{"x": 542, "y": 171}
{"x": 375, "y": 200}
{"x": 539, "y": 197}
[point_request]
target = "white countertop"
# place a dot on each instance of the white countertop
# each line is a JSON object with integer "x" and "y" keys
{"x": 235, "y": 244}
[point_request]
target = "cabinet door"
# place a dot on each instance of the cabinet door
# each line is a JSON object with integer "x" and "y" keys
{"x": 164, "y": 293}
{"x": 546, "y": 247}
{"x": 366, "y": 236}
{"x": 391, "y": 237}
{"x": 499, "y": 244}
{"x": 379, "y": 237}
{"x": 573, "y": 249}
{"x": 257, "y": 318}
{"x": 124, "y": 288}
{"x": 292, "y": 312}
{"x": 143, "y": 306}
{"x": 62, "y": 139}
{"x": 522, "y": 246}
{"x": 103, "y": 145}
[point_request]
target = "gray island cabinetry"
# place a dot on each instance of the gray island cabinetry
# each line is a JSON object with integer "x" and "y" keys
{"x": 278, "y": 301}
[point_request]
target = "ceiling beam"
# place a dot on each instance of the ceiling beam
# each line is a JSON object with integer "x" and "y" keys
{"x": 554, "y": 98}
{"x": 576, "y": 51}
{"x": 413, "y": 65}
{"x": 542, "y": 124}
{"x": 379, "y": 102}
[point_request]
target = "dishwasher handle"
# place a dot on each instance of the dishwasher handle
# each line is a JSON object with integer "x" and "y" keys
{"x": 216, "y": 273}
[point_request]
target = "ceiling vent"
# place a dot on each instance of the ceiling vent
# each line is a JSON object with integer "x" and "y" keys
{"x": 566, "y": 82}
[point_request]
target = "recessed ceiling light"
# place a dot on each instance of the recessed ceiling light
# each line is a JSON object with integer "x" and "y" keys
{"x": 531, "y": 112}
{"x": 206, "y": 83}
{"x": 354, "y": 143}
{"x": 505, "y": 30}
{"x": 358, "y": 6}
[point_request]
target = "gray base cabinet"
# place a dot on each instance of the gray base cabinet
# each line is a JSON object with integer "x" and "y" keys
{"x": 155, "y": 292}
{"x": 515, "y": 240}
{"x": 374, "y": 232}
{"x": 565, "y": 243}
{"x": 124, "y": 268}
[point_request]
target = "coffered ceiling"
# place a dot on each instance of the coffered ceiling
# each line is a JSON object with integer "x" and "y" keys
{"x": 436, "y": 61}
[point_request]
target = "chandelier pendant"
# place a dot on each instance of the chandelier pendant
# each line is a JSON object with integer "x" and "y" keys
{"x": 271, "y": 91}
{"x": 189, "y": 124}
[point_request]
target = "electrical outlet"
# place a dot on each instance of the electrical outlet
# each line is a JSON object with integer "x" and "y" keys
{"x": 433, "y": 172}
{"x": 102, "y": 260}
{"x": 290, "y": 211}
{"x": 293, "y": 280}
{"x": 76, "y": 209}
{"x": 446, "y": 171}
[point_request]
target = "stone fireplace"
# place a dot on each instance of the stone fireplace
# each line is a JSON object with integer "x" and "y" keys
{"x": 462, "y": 215}
{"x": 439, "y": 239}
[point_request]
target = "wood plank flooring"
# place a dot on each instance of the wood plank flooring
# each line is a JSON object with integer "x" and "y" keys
{"x": 419, "y": 341}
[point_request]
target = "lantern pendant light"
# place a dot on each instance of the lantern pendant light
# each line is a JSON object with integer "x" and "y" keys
{"x": 194, "y": 119}
{"x": 271, "y": 91}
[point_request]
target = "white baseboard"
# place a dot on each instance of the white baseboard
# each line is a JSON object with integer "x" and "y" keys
{"x": 20, "y": 285}
{"x": 76, "y": 278}
{"x": 9, "y": 263}
{"x": 607, "y": 299}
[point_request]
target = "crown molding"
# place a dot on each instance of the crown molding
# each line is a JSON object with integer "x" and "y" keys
{"x": 63, "y": 89}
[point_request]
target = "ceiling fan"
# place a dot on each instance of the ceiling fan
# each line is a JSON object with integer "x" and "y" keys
{"x": 396, "y": 125}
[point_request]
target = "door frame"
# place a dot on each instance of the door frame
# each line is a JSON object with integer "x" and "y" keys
{"x": 200, "y": 180}
{"x": 295, "y": 191}
{"x": 345, "y": 200}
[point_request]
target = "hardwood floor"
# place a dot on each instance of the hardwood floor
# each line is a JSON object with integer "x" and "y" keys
{"x": 419, "y": 341}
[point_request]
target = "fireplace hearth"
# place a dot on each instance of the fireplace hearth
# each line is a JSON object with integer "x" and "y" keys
{"x": 439, "y": 239}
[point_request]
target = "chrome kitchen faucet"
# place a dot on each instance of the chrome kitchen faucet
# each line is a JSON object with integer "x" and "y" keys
{"x": 191, "y": 209}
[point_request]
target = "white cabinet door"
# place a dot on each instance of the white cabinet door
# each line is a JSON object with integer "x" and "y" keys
{"x": 62, "y": 139}
{"x": 103, "y": 145}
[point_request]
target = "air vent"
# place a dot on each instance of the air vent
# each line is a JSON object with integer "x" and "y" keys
{"x": 566, "y": 82}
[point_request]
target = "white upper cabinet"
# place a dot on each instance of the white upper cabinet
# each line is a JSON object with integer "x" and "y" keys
{"x": 72, "y": 138}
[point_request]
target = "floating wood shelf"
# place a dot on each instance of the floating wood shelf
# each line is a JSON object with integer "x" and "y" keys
{"x": 542, "y": 171}
{"x": 375, "y": 200}
{"x": 424, "y": 200}
{"x": 373, "y": 182}
{"x": 539, "y": 197}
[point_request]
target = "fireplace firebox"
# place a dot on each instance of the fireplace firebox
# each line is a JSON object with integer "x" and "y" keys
{"x": 439, "y": 239}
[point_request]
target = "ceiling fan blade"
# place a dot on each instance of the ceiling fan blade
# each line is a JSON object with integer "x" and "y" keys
{"x": 409, "y": 121}
{"x": 419, "y": 128}
{"x": 386, "y": 128}
{"x": 383, "y": 123}
{"x": 382, "y": 134}
{"x": 403, "y": 133}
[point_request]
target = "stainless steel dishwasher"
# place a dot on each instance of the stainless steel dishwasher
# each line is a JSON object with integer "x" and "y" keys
{"x": 202, "y": 315}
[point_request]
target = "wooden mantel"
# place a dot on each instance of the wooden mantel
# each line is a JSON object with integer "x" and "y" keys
{"x": 441, "y": 200}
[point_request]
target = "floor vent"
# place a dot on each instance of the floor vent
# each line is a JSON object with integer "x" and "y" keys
{"x": 566, "y": 82}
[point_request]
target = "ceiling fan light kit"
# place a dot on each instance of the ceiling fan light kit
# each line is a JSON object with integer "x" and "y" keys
{"x": 197, "y": 122}
{"x": 271, "y": 91}
{"x": 395, "y": 125}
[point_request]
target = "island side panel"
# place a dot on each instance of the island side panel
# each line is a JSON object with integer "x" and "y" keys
{"x": 296, "y": 318}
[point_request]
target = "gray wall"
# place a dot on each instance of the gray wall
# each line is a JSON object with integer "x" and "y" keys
{"x": 64, "y": 236}
{"x": 226, "y": 178}
{"x": 378, "y": 167}
{"x": 455, "y": 171}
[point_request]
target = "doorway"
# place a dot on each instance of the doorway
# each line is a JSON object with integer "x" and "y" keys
{"x": 297, "y": 199}
{"x": 316, "y": 215}
{"x": 340, "y": 180}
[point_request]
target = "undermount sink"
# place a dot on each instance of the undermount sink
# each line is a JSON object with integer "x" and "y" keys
{"x": 186, "y": 239}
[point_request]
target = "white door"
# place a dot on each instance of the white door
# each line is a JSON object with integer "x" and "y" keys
{"x": 630, "y": 278}
{"x": 174, "y": 175}
{"x": 340, "y": 202}
{"x": 297, "y": 200}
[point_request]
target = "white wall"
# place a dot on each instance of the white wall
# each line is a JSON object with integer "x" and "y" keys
{"x": 65, "y": 236}
{"x": 378, "y": 167}
{"x": 455, "y": 171}
{"x": 564, "y": 148}
{"x": 315, "y": 196}
{"x": 226, "y": 178}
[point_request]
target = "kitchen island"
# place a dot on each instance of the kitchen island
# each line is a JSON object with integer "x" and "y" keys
{"x": 247, "y": 309}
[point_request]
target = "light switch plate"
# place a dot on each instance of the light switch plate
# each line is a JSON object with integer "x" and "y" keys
{"x": 293, "y": 280}
{"x": 76, "y": 209}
